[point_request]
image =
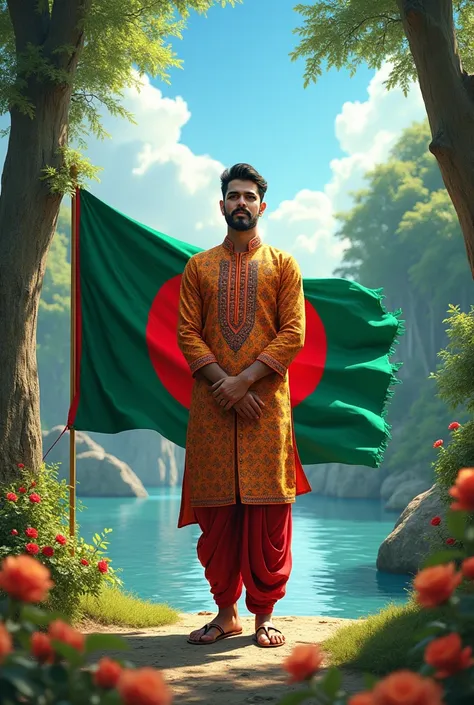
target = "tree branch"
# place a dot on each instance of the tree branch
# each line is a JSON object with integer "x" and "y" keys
{"x": 30, "y": 20}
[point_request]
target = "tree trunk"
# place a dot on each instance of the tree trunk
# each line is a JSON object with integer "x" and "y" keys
{"x": 28, "y": 214}
{"x": 448, "y": 94}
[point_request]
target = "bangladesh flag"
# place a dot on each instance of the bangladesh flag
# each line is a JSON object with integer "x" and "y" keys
{"x": 131, "y": 374}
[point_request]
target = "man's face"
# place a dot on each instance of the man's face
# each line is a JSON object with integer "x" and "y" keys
{"x": 242, "y": 206}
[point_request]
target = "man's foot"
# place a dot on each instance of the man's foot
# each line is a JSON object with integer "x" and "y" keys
{"x": 227, "y": 624}
{"x": 266, "y": 634}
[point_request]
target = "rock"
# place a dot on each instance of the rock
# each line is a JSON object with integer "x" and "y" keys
{"x": 98, "y": 474}
{"x": 392, "y": 482}
{"x": 336, "y": 480}
{"x": 154, "y": 459}
{"x": 405, "y": 549}
{"x": 403, "y": 495}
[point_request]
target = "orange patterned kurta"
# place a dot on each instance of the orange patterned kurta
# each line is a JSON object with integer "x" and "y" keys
{"x": 236, "y": 308}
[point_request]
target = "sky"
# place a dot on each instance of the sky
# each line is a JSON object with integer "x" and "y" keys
{"x": 239, "y": 98}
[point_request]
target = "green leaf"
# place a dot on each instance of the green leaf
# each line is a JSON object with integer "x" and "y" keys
{"x": 67, "y": 652}
{"x": 105, "y": 642}
{"x": 331, "y": 682}
{"x": 16, "y": 677}
{"x": 37, "y": 616}
{"x": 431, "y": 629}
{"x": 58, "y": 674}
{"x": 456, "y": 522}
{"x": 444, "y": 556}
{"x": 111, "y": 698}
{"x": 296, "y": 698}
{"x": 370, "y": 681}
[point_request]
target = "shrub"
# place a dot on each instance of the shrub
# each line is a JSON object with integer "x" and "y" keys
{"x": 34, "y": 519}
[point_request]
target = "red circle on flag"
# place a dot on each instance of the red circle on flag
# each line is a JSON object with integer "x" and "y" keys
{"x": 173, "y": 372}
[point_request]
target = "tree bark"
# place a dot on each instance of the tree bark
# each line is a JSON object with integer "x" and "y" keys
{"x": 448, "y": 94}
{"x": 28, "y": 215}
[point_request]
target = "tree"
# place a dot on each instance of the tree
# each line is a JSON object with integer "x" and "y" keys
{"x": 61, "y": 63}
{"x": 401, "y": 232}
{"x": 423, "y": 38}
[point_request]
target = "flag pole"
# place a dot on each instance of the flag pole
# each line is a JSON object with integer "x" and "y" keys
{"x": 72, "y": 432}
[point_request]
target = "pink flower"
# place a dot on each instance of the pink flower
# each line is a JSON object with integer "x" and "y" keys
{"x": 35, "y": 498}
{"x": 103, "y": 566}
{"x": 48, "y": 551}
{"x": 84, "y": 561}
{"x": 20, "y": 465}
{"x": 14, "y": 532}
{"x": 454, "y": 426}
{"x": 31, "y": 533}
{"x": 32, "y": 548}
{"x": 22, "y": 490}
{"x": 12, "y": 497}
{"x": 438, "y": 443}
{"x": 61, "y": 539}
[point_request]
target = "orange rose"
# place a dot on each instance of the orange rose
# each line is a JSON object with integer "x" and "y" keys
{"x": 468, "y": 568}
{"x": 143, "y": 686}
{"x": 6, "y": 645}
{"x": 447, "y": 656}
{"x": 108, "y": 673}
{"x": 407, "y": 688}
{"x": 25, "y": 579}
{"x": 68, "y": 635}
{"x": 436, "y": 585}
{"x": 41, "y": 648}
{"x": 365, "y": 698}
{"x": 303, "y": 662}
{"x": 463, "y": 490}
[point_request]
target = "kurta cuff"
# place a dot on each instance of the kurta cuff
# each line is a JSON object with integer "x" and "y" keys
{"x": 274, "y": 364}
{"x": 201, "y": 362}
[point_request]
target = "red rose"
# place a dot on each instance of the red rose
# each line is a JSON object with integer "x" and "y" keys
{"x": 33, "y": 484}
{"x": 22, "y": 490}
{"x": 31, "y": 533}
{"x": 48, "y": 551}
{"x": 14, "y": 532}
{"x": 11, "y": 496}
{"x": 20, "y": 465}
{"x": 438, "y": 443}
{"x": 436, "y": 521}
{"x": 103, "y": 566}
{"x": 35, "y": 498}
{"x": 450, "y": 542}
{"x": 84, "y": 561}
{"x": 61, "y": 539}
{"x": 32, "y": 548}
{"x": 454, "y": 426}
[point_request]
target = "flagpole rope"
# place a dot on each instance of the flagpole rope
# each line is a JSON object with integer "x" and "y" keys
{"x": 56, "y": 441}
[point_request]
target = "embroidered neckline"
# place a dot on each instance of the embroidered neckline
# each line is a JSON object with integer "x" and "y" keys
{"x": 253, "y": 244}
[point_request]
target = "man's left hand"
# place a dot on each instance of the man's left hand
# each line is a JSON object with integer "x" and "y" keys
{"x": 229, "y": 391}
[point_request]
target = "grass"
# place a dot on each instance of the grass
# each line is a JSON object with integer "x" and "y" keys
{"x": 123, "y": 609}
{"x": 382, "y": 642}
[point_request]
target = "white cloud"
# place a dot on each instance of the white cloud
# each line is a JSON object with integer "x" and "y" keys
{"x": 149, "y": 174}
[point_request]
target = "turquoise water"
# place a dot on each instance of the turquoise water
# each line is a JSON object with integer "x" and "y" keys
{"x": 335, "y": 544}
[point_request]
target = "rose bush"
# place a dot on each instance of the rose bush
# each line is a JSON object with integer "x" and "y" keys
{"x": 34, "y": 519}
{"x": 447, "y": 674}
{"x": 45, "y": 661}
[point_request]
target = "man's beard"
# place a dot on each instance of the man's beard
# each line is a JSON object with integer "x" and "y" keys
{"x": 239, "y": 223}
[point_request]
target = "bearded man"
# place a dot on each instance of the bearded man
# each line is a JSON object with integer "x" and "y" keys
{"x": 241, "y": 324}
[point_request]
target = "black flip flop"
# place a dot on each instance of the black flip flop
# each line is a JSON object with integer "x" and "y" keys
{"x": 222, "y": 635}
{"x": 270, "y": 645}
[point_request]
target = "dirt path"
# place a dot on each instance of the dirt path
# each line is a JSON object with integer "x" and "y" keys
{"x": 231, "y": 672}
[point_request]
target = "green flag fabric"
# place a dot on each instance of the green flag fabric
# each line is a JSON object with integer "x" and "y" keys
{"x": 130, "y": 373}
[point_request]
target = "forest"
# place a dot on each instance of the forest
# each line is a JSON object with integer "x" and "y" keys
{"x": 402, "y": 234}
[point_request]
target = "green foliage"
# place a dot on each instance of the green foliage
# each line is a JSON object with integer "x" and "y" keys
{"x": 454, "y": 378}
{"x": 118, "y": 36}
{"x": 459, "y": 453}
{"x": 403, "y": 234}
{"x": 351, "y": 33}
{"x": 50, "y": 518}
{"x": 119, "y": 608}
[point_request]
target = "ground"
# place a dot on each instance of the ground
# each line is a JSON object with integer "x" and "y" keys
{"x": 233, "y": 671}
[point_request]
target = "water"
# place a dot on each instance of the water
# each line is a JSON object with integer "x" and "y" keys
{"x": 335, "y": 544}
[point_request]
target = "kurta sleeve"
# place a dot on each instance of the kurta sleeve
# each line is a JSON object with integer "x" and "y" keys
{"x": 190, "y": 323}
{"x": 282, "y": 350}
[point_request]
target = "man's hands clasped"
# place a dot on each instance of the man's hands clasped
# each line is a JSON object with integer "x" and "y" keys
{"x": 233, "y": 392}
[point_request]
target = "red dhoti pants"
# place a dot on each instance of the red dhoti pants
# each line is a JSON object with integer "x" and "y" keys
{"x": 246, "y": 545}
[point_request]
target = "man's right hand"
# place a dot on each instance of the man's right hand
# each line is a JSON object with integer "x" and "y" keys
{"x": 250, "y": 406}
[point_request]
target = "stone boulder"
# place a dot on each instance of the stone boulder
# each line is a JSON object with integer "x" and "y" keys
{"x": 409, "y": 544}
{"x": 337, "y": 480}
{"x": 98, "y": 474}
{"x": 404, "y": 494}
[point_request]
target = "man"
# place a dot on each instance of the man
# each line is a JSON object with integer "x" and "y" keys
{"x": 241, "y": 324}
